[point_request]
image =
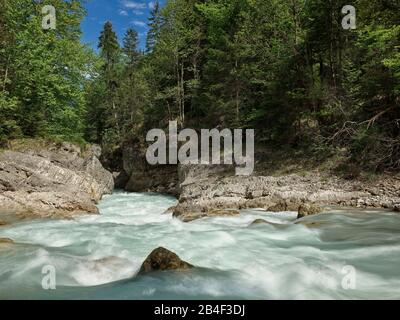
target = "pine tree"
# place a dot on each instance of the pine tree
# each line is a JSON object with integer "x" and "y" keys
{"x": 110, "y": 50}
{"x": 130, "y": 48}
{"x": 155, "y": 22}
{"x": 108, "y": 43}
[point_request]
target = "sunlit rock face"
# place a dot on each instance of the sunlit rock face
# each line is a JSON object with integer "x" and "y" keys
{"x": 52, "y": 181}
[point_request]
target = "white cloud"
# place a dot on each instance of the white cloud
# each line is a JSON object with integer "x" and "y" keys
{"x": 138, "y": 12}
{"x": 139, "y": 23}
{"x": 123, "y": 12}
{"x": 127, "y": 4}
{"x": 152, "y": 4}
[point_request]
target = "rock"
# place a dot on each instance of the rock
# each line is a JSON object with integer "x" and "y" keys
{"x": 307, "y": 209}
{"x": 142, "y": 177}
{"x": 285, "y": 205}
{"x": 311, "y": 224}
{"x": 189, "y": 217}
{"x": 189, "y": 212}
{"x": 161, "y": 259}
{"x": 396, "y": 208}
{"x": 262, "y": 221}
{"x": 52, "y": 181}
{"x": 223, "y": 212}
{"x": 262, "y": 202}
{"x": 71, "y": 148}
{"x": 202, "y": 187}
{"x": 120, "y": 179}
{"x": 95, "y": 150}
{"x": 259, "y": 221}
{"x": 6, "y": 241}
{"x": 3, "y": 223}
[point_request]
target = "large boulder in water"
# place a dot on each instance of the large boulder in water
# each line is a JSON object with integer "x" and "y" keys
{"x": 308, "y": 209}
{"x": 162, "y": 259}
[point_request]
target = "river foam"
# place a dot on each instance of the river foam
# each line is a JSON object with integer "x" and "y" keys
{"x": 98, "y": 256}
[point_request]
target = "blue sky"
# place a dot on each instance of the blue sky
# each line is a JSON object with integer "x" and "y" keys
{"x": 123, "y": 14}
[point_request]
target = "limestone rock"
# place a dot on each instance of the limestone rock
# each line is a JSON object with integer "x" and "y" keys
{"x": 307, "y": 209}
{"x": 52, "y": 181}
{"x": 223, "y": 212}
{"x": 161, "y": 259}
{"x": 285, "y": 205}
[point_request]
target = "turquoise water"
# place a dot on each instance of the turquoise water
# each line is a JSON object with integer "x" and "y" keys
{"x": 98, "y": 256}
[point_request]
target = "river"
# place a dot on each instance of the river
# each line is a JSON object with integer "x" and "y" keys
{"x": 347, "y": 254}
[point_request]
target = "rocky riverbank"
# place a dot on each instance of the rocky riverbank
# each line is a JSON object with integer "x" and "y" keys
{"x": 209, "y": 190}
{"x": 205, "y": 190}
{"x": 62, "y": 180}
{"x": 58, "y": 180}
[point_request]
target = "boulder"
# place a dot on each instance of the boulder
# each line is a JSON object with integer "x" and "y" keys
{"x": 161, "y": 259}
{"x": 396, "y": 208}
{"x": 307, "y": 209}
{"x": 259, "y": 221}
{"x": 3, "y": 223}
{"x": 262, "y": 221}
{"x": 189, "y": 212}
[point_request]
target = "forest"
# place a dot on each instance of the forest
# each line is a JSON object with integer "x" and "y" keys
{"x": 286, "y": 68}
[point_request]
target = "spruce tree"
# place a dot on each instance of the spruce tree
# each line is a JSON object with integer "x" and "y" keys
{"x": 154, "y": 24}
{"x": 130, "y": 48}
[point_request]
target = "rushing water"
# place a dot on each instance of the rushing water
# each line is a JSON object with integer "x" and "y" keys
{"x": 347, "y": 255}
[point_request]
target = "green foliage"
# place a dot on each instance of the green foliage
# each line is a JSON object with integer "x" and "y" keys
{"x": 42, "y": 71}
{"x": 286, "y": 68}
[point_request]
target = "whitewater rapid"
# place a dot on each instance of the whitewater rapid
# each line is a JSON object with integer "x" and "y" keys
{"x": 98, "y": 256}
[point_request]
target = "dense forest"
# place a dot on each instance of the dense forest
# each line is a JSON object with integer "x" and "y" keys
{"x": 286, "y": 68}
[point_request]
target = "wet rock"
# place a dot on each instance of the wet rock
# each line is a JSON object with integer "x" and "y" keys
{"x": 161, "y": 259}
{"x": 190, "y": 212}
{"x": 259, "y": 221}
{"x": 223, "y": 212}
{"x": 5, "y": 241}
{"x": 396, "y": 208}
{"x": 3, "y": 223}
{"x": 189, "y": 217}
{"x": 307, "y": 209}
{"x": 312, "y": 224}
{"x": 120, "y": 179}
{"x": 262, "y": 221}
